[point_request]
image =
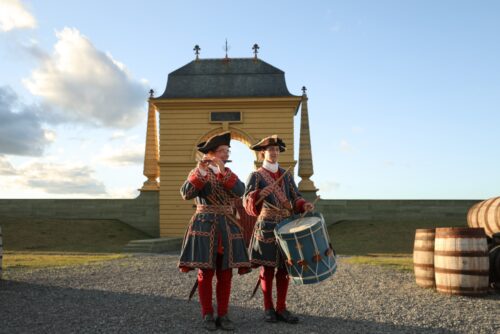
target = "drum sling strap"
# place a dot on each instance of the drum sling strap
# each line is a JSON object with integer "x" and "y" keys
{"x": 279, "y": 189}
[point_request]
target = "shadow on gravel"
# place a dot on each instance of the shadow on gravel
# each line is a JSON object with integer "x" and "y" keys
{"x": 33, "y": 308}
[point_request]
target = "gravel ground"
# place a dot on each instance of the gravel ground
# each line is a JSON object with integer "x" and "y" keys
{"x": 146, "y": 294}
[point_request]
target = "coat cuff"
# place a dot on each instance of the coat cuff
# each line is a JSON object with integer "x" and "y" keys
{"x": 299, "y": 205}
{"x": 196, "y": 179}
{"x": 250, "y": 207}
{"x": 228, "y": 180}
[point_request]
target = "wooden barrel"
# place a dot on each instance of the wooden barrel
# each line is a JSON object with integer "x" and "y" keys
{"x": 485, "y": 214}
{"x": 423, "y": 257}
{"x": 472, "y": 215}
{"x": 461, "y": 262}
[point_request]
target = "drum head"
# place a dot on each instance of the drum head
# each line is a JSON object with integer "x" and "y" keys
{"x": 299, "y": 224}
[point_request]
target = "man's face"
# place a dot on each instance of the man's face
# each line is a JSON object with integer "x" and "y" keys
{"x": 222, "y": 152}
{"x": 272, "y": 153}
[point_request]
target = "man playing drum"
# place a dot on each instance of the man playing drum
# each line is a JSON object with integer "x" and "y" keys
{"x": 213, "y": 242}
{"x": 272, "y": 202}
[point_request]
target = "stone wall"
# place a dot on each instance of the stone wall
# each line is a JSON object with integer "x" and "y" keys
{"x": 140, "y": 213}
{"x": 404, "y": 210}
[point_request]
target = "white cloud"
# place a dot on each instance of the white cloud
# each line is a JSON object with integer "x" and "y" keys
{"x": 87, "y": 85}
{"x": 125, "y": 192}
{"x": 83, "y": 143}
{"x": 345, "y": 146}
{"x": 21, "y": 131}
{"x": 328, "y": 188}
{"x": 45, "y": 177}
{"x": 6, "y": 167}
{"x": 131, "y": 154}
{"x": 34, "y": 50}
{"x": 61, "y": 179}
{"x": 49, "y": 135}
{"x": 117, "y": 135}
{"x": 13, "y": 15}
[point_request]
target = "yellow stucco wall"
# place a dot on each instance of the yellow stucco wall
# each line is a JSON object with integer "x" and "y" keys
{"x": 185, "y": 122}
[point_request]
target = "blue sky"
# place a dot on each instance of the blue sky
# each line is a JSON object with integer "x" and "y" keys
{"x": 404, "y": 96}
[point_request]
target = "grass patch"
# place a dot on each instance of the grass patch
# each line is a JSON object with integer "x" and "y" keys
{"x": 402, "y": 262}
{"x": 45, "y": 260}
{"x": 372, "y": 237}
{"x": 67, "y": 236}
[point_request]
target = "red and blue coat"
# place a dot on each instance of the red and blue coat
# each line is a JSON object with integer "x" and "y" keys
{"x": 213, "y": 228}
{"x": 278, "y": 205}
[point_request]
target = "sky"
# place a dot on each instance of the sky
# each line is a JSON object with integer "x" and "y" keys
{"x": 404, "y": 96}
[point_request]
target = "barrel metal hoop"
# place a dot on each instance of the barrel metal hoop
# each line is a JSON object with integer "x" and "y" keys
{"x": 423, "y": 249}
{"x": 461, "y": 272}
{"x": 423, "y": 265}
{"x": 461, "y": 253}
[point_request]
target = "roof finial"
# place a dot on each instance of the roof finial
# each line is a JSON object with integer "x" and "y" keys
{"x": 151, "y": 93}
{"x": 196, "y": 50}
{"x": 226, "y": 48}
{"x": 304, "y": 90}
{"x": 255, "y": 49}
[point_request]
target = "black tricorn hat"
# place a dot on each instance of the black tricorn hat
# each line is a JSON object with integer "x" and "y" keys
{"x": 213, "y": 142}
{"x": 269, "y": 141}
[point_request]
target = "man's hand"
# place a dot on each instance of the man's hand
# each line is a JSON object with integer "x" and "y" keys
{"x": 203, "y": 163}
{"x": 308, "y": 207}
{"x": 266, "y": 191}
{"x": 219, "y": 164}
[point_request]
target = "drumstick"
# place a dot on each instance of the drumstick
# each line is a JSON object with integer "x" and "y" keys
{"x": 304, "y": 213}
{"x": 273, "y": 184}
{"x": 272, "y": 206}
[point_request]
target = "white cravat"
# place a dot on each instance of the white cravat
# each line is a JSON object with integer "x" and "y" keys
{"x": 273, "y": 168}
{"x": 203, "y": 172}
{"x": 214, "y": 169}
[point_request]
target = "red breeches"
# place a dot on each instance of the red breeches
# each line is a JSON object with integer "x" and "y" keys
{"x": 266, "y": 283}
{"x": 223, "y": 288}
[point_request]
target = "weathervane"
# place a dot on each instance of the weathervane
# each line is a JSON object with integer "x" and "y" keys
{"x": 226, "y": 48}
{"x": 196, "y": 50}
{"x": 255, "y": 49}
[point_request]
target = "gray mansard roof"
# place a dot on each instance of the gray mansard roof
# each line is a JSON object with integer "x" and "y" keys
{"x": 213, "y": 78}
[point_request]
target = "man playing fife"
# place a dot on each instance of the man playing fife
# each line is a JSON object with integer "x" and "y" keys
{"x": 213, "y": 242}
{"x": 271, "y": 202}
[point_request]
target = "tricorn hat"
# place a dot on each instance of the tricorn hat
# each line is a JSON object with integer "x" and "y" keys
{"x": 213, "y": 142}
{"x": 269, "y": 141}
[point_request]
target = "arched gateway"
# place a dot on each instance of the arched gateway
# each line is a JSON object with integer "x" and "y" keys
{"x": 245, "y": 96}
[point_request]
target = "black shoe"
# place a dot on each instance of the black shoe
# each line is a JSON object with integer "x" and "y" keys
{"x": 209, "y": 322}
{"x": 287, "y": 317}
{"x": 270, "y": 315}
{"x": 224, "y": 323}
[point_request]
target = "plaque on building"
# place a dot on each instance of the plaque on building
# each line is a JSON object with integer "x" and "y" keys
{"x": 225, "y": 116}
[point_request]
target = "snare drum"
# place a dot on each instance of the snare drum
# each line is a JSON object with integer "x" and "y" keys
{"x": 306, "y": 247}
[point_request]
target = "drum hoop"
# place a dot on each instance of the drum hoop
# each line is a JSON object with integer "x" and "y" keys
{"x": 329, "y": 271}
{"x": 296, "y": 217}
{"x": 294, "y": 235}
